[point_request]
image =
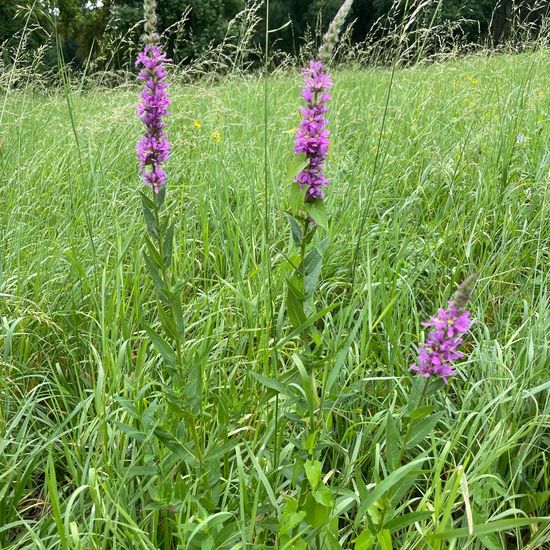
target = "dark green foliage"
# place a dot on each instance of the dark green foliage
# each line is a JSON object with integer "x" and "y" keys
{"x": 82, "y": 26}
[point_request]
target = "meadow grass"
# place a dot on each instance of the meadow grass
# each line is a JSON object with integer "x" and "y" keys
{"x": 94, "y": 452}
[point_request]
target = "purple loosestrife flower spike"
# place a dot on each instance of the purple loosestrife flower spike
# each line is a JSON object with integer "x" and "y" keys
{"x": 312, "y": 134}
{"x": 153, "y": 147}
{"x": 436, "y": 355}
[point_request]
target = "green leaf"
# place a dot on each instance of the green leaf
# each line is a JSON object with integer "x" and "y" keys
{"x": 323, "y": 496}
{"x": 393, "y": 442}
{"x": 175, "y": 302}
{"x": 156, "y": 278}
{"x": 128, "y": 406}
{"x": 132, "y": 471}
{"x": 343, "y": 353}
{"x": 295, "y": 229}
{"x": 318, "y": 212}
{"x": 296, "y": 197}
{"x": 364, "y": 541}
{"x": 405, "y": 520}
{"x": 317, "y": 515}
{"x": 313, "y": 472}
{"x": 131, "y": 432}
{"x": 384, "y": 539}
{"x": 297, "y": 164}
{"x": 272, "y": 384}
{"x": 330, "y": 536}
{"x": 290, "y": 517}
{"x": 295, "y": 301}
{"x": 162, "y": 346}
{"x": 159, "y": 197}
{"x": 154, "y": 253}
{"x": 312, "y": 267}
{"x": 296, "y": 545}
{"x": 310, "y": 442}
{"x": 491, "y": 527}
{"x": 150, "y": 219}
{"x": 417, "y": 387}
{"x": 167, "y": 323}
{"x": 172, "y": 444}
{"x": 53, "y": 493}
{"x": 305, "y": 326}
{"x": 194, "y": 387}
{"x": 168, "y": 245}
{"x": 385, "y": 485}
{"x": 434, "y": 385}
{"x": 421, "y": 429}
{"x": 385, "y": 311}
{"x": 421, "y": 412}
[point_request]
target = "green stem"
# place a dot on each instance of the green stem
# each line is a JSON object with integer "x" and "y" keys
{"x": 302, "y": 272}
{"x": 176, "y": 315}
{"x": 410, "y": 423}
{"x": 303, "y": 249}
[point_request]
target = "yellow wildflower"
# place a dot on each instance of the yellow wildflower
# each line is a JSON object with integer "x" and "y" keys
{"x": 217, "y": 136}
{"x": 197, "y": 124}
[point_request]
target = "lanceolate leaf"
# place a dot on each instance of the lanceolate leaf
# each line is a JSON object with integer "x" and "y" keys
{"x": 421, "y": 429}
{"x": 168, "y": 245}
{"x": 162, "y": 346}
{"x": 150, "y": 220}
{"x": 312, "y": 267}
{"x": 295, "y": 301}
{"x": 174, "y": 445}
{"x": 405, "y": 520}
{"x": 272, "y": 384}
{"x": 490, "y": 527}
{"x": 295, "y": 229}
{"x": 318, "y": 212}
{"x": 157, "y": 281}
{"x": 393, "y": 442}
{"x": 385, "y": 485}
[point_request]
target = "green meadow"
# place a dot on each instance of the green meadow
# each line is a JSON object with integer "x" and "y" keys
{"x": 437, "y": 171}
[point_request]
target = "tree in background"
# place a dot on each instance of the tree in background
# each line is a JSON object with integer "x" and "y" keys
{"x": 206, "y": 24}
{"x": 108, "y": 31}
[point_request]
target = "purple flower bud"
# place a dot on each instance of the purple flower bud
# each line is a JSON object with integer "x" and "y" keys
{"x": 153, "y": 148}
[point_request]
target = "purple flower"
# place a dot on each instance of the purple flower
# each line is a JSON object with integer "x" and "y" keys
{"x": 450, "y": 321}
{"x": 153, "y": 147}
{"x": 436, "y": 355}
{"x": 312, "y": 136}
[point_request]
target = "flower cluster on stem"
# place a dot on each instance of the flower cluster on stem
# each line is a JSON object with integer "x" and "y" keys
{"x": 153, "y": 148}
{"x": 312, "y": 135}
{"x": 436, "y": 355}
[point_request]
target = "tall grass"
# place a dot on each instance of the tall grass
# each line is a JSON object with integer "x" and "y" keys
{"x": 90, "y": 455}
{"x": 95, "y": 452}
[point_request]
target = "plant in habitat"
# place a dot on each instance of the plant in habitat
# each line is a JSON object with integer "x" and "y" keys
{"x": 173, "y": 419}
{"x": 306, "y": 209}
{"x": 311, "y": 512}
{"x": 379, "y": 508}
{"x": 153, "y": 149}
{"x": 316, "y": 507}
